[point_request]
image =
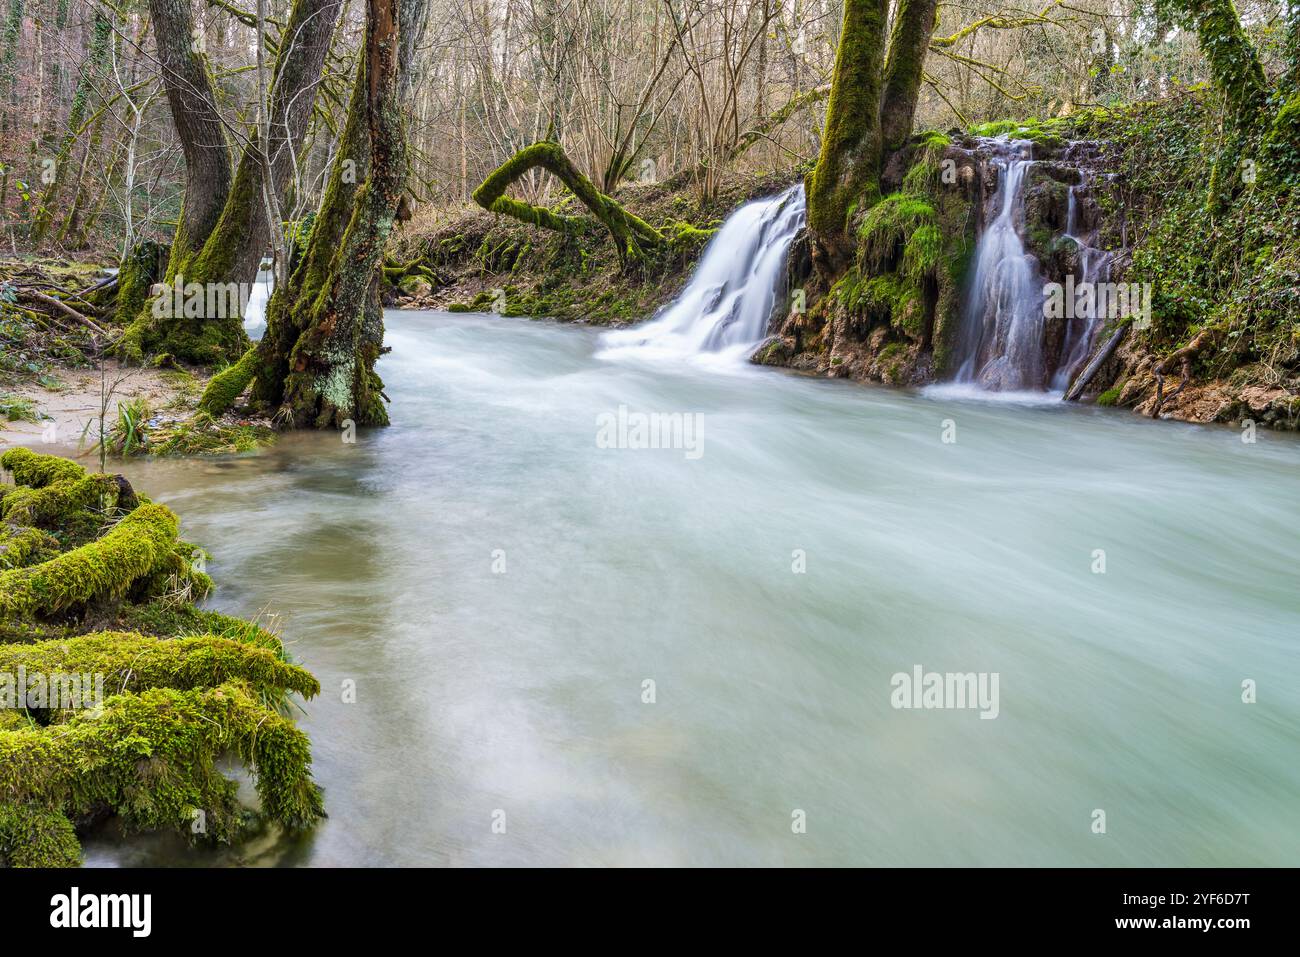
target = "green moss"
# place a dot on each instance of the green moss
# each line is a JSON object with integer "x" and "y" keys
{"x": 151, "y": 757}
{"x": 227, "y": 386}
{"x": 1110, "y": 396}
{"x": 683, "y": 237}
{"x": 933, "y": 140}
{"x": 36, "y": 470}
{"x": 140, "y": 545}
{"x": 1281, "y": 147}
{"x": 1045, "y": 134}
{"x": 1233, "y": 270}
{"x": 52, "y": 504}
{"x": 130, "y": 661}
{"x": 898, "y": 299}
{"x": 36, "y": 836}
{"x": 21, "y": 546}
{"x": 888, "y": 225}
{"x": 188, "y": 687}
{"x": 139, "y": 270}
{"x": 164, "y": 618}
{"x": 923, "y": 251}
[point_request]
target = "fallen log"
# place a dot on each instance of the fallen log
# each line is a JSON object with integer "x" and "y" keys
{"x": 633, "y": 237}
{"x": 1091, "y": 369}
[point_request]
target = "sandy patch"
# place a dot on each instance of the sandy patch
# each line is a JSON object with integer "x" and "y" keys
{"x": 70, "y": 408}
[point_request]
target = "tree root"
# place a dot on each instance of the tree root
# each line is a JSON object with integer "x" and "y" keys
{"x": 227, "y": 385}
{"x": 1183, "y": 359}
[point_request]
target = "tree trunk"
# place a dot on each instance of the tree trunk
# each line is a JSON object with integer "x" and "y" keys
{"x": 97, "y": 58}
{"x": 325, "y": 329}
{"x": 236, "y": 239}
{"x": 848, "y": 170}
{"x": 9, "y": 55}
{"x": 289, "y": 313}
{"x": 1234, "y": 64}
{"x": 237, "y": 245}
{"x": 1238, "y": 75}
{"x": 908, "y": 42}
{"x": 198, "y": 124}
{"x": 332, "y": 378}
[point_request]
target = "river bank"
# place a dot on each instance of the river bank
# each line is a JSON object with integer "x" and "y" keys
{"x": 119, "y": 695}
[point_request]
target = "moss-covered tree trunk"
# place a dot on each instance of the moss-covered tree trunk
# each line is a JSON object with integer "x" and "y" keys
{"x": 633, "y": 237}
{"x": 236, "y": 238}
{"x": 324, "y": 332}
{"x": 848, "y": 169}
{"x": 1234, "y": 64}
{"x": 908, "y": 42}
{"x": 289, "y": 312}
{"x": 331, "y": 376}
{"x": 198, "y": 123}
{"x": 238, "y": 243}
{"x": 1238, "y": 76}
{"x": 9, "y": 54}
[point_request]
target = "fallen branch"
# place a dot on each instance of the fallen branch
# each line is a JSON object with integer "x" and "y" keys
{"x": 31, "y": 295}
{"x": 1081, "y": 382}
{"x": 633, "y": 237}
{"x": 108, "y": 282}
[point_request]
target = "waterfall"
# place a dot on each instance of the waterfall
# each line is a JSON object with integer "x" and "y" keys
{"x": 1093, "y": 267}
{"x": 727, "y": 305}
{"x": 1005, "y": 343}
{"x": 1002, "y": 330}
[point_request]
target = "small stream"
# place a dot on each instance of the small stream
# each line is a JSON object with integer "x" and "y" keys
{"x": 499, "y": 588}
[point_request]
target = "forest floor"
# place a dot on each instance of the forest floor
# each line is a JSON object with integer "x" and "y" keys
{"x": 61, "y": 387}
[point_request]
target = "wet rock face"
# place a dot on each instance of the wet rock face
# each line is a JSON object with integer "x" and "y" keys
{"x": 1042, "y": 220}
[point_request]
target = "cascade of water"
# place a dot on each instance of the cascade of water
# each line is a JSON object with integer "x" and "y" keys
{"x": 1093, "y": 267}
{"x": 1002, "y": 331}
{"x": 1006, "y": 343}
{"x": 726, "y": 306}
{"x": 255, "y": 311}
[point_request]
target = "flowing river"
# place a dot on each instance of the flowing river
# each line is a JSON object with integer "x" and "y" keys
{"x": 485, "y": 592}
